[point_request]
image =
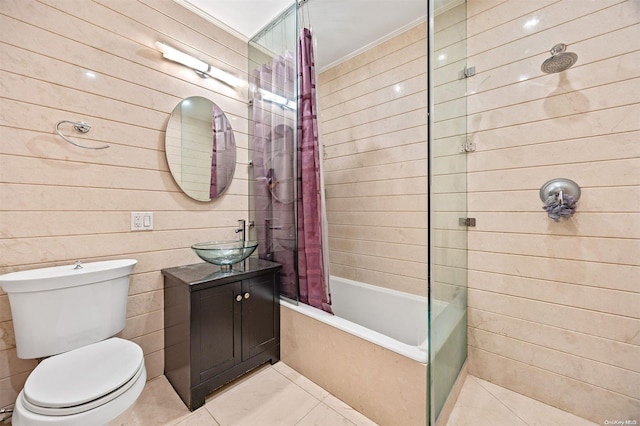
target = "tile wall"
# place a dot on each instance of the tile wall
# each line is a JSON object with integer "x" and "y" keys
{"x": 372, "y": 124}
{"x": 96, "y": 61}
{"x": 387, "y": 387}
{"x": 554, "y": 307}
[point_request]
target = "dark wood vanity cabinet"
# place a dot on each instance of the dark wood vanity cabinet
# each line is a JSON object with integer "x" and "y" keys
{"x": 219, "y": 325}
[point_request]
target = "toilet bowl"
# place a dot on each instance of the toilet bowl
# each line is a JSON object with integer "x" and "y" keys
{"x": 68, "y": 315}
{"x": 87, "y": 386}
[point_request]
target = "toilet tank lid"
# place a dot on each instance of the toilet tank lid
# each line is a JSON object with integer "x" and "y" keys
{"x": 57, "y": 277}
{"x": 82, "y": 375}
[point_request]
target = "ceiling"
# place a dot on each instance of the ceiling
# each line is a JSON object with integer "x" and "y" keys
{"x": 246, "y": 17}
{"x": 342, "y": 28}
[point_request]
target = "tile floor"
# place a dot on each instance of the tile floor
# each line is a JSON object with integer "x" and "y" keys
{"x": 269, "y": 396}
{"x": 483, "y": 403}
{"x": 277, "y": 395}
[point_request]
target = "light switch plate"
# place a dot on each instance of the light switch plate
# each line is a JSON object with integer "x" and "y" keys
{"x": 141, "y": 221}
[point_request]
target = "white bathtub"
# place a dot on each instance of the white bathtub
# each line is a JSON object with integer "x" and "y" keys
{"x": 392, "y": 319}
{"x": 372, "y": 354}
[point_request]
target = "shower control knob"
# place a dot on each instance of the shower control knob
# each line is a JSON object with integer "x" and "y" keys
{"x": 247, "y": 295}
{"x": 239, "y": 298}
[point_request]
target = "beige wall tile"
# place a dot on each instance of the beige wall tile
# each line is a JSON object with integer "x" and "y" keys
{"x": 584, "y": 346}
{"x": 520, "y": 85}
{"x": 606, "y": 199}
{"x": 589, "y": 124}
{"x": 569, "y": 21}
{"x": 375, "y": 163}
{"x": 154, "y": 363}
{"x": 587, "y": 223}
{"x": 552, "y": 306}
{"x": 97, "y": 62}
{"x": 582, "y": 150}
{"x": 10, "y": 364}
{"x": 557, "y": 105}
{"x": 7, "y": 336}
{"x": 403, "y": 137}
{"x": 383, "y": 49}
{"x": 562, "y": 293}
{"x": 384, "y": 278}
{"x": 478, "y": 6}
{"x": 502, "y": 12}
{"x": 343, "y": 365}
{"x": 11, "y": 386}
{"x": 605, "y": 275}
{"x": 615, "y": 327}
{"x": 569, "y": 247}
{"x": 611, "y": 378}
{"x": 584, "y": 400}
{"x": 143, "y": 324}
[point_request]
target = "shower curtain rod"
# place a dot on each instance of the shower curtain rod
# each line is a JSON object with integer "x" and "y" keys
{"x": 276, "y": 21}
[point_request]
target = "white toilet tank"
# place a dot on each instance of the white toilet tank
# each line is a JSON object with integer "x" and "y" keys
{"x": 58, "y": 309}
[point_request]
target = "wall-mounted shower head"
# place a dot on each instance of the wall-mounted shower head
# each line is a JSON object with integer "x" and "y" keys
{"x": 559, "y": 60}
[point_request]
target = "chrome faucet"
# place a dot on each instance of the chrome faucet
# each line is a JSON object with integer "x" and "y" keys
{"x": 242, "y": 228}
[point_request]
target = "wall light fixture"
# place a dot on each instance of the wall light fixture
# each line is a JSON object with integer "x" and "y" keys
{"x": 277, "y": 99}
{"x": 201, "y": 68}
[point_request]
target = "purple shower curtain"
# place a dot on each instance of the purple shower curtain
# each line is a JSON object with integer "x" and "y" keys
{"x": 276, "y": 175}
{"x": 273, "y": 144}
{"x": 313, "y": 289}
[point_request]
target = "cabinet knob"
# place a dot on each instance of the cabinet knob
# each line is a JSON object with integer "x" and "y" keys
{"x": 247, "y": 295}
{"x": 239, "y": 298}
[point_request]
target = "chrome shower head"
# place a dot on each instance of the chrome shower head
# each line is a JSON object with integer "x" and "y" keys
{"x": 559, "y": 60}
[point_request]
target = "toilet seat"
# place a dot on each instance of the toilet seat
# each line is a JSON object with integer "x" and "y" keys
{"x": 83, "y": 379}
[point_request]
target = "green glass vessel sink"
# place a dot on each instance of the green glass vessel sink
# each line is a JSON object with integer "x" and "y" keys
{"x": 224, "y": 253}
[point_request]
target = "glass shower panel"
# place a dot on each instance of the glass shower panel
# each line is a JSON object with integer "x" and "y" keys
{"x": 447, "y": 200}
{"x": 272, "y": 146}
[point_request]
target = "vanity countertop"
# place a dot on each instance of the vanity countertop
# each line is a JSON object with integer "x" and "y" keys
{"x": 203, "y": 273}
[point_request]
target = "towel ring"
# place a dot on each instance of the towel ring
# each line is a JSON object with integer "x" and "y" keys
{"x": 79, "y": 127}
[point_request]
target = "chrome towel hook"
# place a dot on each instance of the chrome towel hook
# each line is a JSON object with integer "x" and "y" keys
{"x": 80, "y": 127}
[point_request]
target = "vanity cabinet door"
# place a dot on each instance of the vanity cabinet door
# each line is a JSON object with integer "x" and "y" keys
{"x": 260, "y": 315}
{"x": 216, "y": 319}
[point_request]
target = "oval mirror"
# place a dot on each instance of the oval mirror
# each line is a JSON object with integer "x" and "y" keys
{"x": 200, "y": 148}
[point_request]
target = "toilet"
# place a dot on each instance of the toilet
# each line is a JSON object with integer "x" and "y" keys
{"x": 69, "y": 315}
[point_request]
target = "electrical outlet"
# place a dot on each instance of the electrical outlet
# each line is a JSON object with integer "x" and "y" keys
{"x": 141, "y": 221}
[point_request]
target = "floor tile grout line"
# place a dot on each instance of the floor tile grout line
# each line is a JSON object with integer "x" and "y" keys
{"x": 283, "y": 375}
{"x": 339, "y": 413}
{"x": 211, "y": 414}
{"x": 307, "y": 413}
{"x": 270, "y": 366}
{"x": 535, "y": 401}
{"x": 320, "y": 401}
{"x": 499, "y": 400}
{"x": 193, "y": 413}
